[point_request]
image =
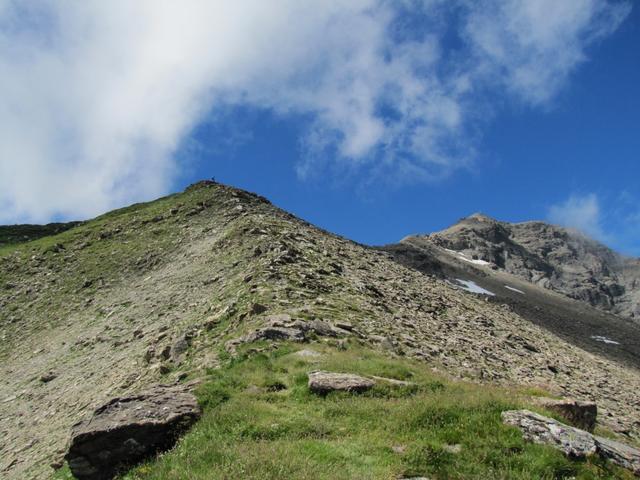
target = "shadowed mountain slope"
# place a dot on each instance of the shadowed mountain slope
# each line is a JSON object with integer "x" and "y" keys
{"x": 577, "y": 322}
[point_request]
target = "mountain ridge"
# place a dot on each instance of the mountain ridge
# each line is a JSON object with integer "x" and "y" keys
{"x": 159, "y": 291}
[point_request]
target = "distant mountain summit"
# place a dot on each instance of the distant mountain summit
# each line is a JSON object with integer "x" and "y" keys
{"x": 550, "y": 256}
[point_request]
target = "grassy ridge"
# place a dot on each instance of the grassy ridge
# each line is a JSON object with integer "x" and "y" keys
{"x": 260, "y": 421}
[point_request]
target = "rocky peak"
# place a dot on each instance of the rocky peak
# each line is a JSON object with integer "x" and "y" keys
{"x": 480, "y": 217}
{"x": 553, "y": 257}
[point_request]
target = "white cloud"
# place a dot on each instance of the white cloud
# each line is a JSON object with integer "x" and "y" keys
{"x": 532, "y": 46}
{"x": 97, "y": 96}
{"x": 581, "y": 213}
{"x": 611, "y": 219}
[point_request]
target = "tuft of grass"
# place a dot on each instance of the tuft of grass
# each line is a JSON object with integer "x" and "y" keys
{"x": 260, "y": 421}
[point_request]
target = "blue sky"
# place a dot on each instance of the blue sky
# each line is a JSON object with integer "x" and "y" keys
{"x": 371, "y": 119}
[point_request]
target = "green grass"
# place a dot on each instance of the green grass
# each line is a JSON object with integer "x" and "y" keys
{"x": 260, "y": 421}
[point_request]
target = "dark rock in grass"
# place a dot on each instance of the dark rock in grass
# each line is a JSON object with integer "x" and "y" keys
{"x": 323, "y": 383}
{"x": 257, "y": 308}
{"x": 49, "y": 376}
{"x": 275, "y": 333}
{"x": 181, "y": 346}
{"x": 127, "y": 430}
{"x": 573, "y": 442}
{"x": 579, "y": 414}
{"x": 345, "y": 326}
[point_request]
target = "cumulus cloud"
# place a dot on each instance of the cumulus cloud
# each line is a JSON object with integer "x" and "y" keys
{"x": 531, "y": 47}
{"x": 97, "y": 97}
{"x": 582, "y": 213}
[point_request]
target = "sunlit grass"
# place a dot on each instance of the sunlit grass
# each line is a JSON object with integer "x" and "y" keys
{"x": 260, "y": 421}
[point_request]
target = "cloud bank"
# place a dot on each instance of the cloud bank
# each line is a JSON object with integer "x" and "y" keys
{"x": 613, "y": 220}
{"x": 97, "y": 97}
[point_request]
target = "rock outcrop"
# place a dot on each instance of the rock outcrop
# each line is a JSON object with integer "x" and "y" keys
{"x": 126, "y": 430}
{"x": 282, "y": 327}
{"x": 573, "y": 442}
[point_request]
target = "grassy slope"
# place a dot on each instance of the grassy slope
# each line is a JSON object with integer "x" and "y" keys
{"x": 54, "y": 276}
{"x": 261, "y": 422}
{"x": 82, "y": 259}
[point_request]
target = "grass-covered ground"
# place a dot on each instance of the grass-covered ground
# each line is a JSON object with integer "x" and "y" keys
{"x": 260, "y": 421}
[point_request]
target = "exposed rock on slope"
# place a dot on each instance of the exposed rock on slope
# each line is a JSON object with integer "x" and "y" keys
{"x": 572, "y": 441}
{"x": 550, "y": 256}
{"x": 595, "y": 330}
{"x": 129, "y": 429}
{"x": 152, "y": 292}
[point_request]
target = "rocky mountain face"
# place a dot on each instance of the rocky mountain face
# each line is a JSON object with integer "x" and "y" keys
{"x": 552, "y": 257}
{"x": 161, "y": 291}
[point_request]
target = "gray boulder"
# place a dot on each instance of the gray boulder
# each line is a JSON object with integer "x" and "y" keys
{"x": 127, "y": 430}
{"x": 536, "y": 428}
{"x": 573, "y": 442}
{"x": 322, "y": 383}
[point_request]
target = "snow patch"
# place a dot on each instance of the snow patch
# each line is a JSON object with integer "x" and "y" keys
{"x": 474, "y": 261}
{"x": 473, "y": 287}
{"x": 603, "y": 339}
{"x": 513, "y": 289}
{"x": 465, "y": 257}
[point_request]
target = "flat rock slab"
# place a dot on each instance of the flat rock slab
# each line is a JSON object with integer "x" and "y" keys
{"x": 325, "y": 382}
{"x": 127, "y": 430}
{"x": 573, "y": 442}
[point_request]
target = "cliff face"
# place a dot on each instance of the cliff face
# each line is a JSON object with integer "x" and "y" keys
{"x": 549, "y": 256}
